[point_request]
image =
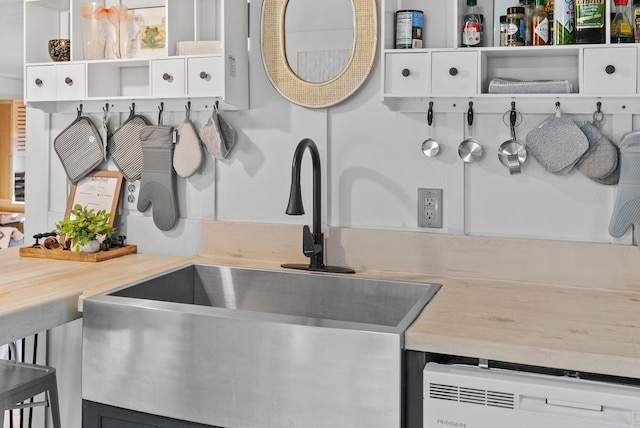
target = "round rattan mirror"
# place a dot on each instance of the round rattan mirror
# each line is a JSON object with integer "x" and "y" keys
{"x": 318, "y": 94}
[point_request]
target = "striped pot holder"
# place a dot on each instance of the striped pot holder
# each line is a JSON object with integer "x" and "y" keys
{"x": 125, "y": 146}
{"x": 79, "y": 147}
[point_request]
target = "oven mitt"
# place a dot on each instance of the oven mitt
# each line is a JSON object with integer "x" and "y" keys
{"x": 218, "y": 136}
{"x": 600, "y": 162}
{"x": 187, "y": 154}
{"x": 126, "y": 148}
{"x": 626, "y": 211}
{"x": 557, "y": 143}
{"x": 79, "y": 147}
{"x": 158, "y": 184}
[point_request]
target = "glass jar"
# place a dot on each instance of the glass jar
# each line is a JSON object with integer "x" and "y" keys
{"x": 515, "y": 31}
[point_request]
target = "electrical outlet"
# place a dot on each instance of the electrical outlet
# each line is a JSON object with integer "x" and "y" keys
{"x": 132, "y": 190}
{"x": 430, "y": 208}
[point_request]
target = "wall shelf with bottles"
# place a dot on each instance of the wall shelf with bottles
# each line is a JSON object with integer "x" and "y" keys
{"x": 147, "y": 63}
{"x": 442, "y": 68}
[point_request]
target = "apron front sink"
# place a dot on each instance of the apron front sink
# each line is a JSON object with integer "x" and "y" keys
{"x": 237, "y": 347}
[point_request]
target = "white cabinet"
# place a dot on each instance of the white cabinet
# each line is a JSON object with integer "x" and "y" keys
{"x": 442, "y": 68}
{"x": 149, "y": 71}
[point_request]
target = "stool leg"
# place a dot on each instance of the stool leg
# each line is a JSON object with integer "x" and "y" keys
{"x": 54, "y": 406}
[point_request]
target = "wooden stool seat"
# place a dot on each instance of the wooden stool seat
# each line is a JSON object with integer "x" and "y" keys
{"x": 21, "y": 381}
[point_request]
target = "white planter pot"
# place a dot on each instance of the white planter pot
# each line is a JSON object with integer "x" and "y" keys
{"x": 90, "y": 247}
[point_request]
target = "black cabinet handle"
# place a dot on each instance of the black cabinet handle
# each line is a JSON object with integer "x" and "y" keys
{"x": 453, "y": 71}
{"x": 610, "y": 69}
{"x": 406, "y": 72}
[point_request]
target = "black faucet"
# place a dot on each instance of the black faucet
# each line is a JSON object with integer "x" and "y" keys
{"x": 312, "y": 243}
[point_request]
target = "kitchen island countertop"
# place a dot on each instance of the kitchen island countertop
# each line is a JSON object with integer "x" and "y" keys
{"x": 547, "y": 325}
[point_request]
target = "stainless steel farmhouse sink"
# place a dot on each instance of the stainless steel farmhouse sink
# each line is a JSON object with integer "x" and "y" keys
{"x": 238, "y": 347}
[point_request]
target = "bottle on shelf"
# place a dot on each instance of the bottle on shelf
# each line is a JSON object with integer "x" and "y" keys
{"x": 548, "y": 7}
{"x": 472, "y": 26}
{"x": 590, "y": 21}
{"x": 539, "y": 25}
{"x": 636, "y": 17}
{"x": 621, "y": 29}
{"x": 564, "y": 26}
{"x": 529, "y": 6}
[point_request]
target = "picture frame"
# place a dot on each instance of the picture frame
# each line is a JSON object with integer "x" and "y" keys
{"x": 99, "y": 190}
{"x": 149, "y": 38}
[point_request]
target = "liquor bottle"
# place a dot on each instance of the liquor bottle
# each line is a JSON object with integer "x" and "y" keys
{"x": 621, "y": 29}
{"x": 590, "y": 19}
{"x": 472, "y": 25}
{"x": 528, "y": 14}
{"x": 539, "y": 25}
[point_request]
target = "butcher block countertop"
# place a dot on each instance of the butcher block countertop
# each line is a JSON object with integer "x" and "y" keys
{"x": 567, "y": 326}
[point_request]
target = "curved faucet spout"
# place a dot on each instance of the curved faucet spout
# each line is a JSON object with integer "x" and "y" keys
{"x": 295, "y": 206}
{"x": 312, "y": 243}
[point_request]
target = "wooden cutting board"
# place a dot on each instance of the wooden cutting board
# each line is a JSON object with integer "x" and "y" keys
{"x": 57, "y": 254}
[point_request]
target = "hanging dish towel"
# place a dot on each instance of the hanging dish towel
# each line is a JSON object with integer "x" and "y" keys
{"x": 187, "y": 155}
{"x": 557, "y": 143}
{"x": 626, "y": 211}
{"x": 158, "y": 184}
{"x": 125, "y": 146}
{"x": 218, "y": 136}
{"x": 79, "y": 147}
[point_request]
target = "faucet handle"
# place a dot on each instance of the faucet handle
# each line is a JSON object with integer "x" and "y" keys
{"x": 310, "y": 247}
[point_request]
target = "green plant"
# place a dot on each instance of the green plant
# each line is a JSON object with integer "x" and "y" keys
{"x": 84, "y": 225}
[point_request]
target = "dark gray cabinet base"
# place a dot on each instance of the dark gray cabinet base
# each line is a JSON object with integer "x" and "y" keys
{"x": 96, "y": 415}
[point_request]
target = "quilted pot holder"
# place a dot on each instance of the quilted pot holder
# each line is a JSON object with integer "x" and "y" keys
{"x": 187, "y": 155}
{"x": 218, "y": 136}
{"x": 79, "y": 147}
{"x": 125, "y": 146}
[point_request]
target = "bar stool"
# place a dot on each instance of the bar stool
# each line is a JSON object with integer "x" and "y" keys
{"x": 20, "y": 381}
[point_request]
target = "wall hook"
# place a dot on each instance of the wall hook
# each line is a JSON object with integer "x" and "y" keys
{"x": 79, "y": 109}
{"x": 160, "y": 111}
{"x": 470, "y": 114}
{"x": 430, "y": 113}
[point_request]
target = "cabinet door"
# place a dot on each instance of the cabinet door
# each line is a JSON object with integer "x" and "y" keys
{"x": 168, "y": 77}
{"x": 40, "y": 84}
{"x": 70, "y": 81}
{"x": 610, "y": 70}
{"x": 205, "y": 76}
{"x": 454, "y": 73}
{"x": 406, "y": 74}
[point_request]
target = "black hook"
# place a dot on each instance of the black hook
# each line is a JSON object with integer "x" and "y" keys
{"x": 160, "y": 111}
{"x": 513, "y": 114}
{"x": 557, "y": 104}
{"x": 598, "y": 107}
{"x": 79, "y": 109}
{"x": 106, "y": 108}
{"x": 216, "y": 105}
{"x": 470, "y": 114}
{"x": 430, "y": 113}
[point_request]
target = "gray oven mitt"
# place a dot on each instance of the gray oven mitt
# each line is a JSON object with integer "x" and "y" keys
{"x": 158, "y": 184}
{"x": 626, "y": 211}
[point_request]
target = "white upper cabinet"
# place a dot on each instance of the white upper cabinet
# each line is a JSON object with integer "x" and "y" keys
{"x": 442, "y": 68}
{"x": 150, "y": 49}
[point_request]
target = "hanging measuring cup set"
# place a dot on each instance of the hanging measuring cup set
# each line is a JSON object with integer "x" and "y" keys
{"x": 470, "y": 150}
{"x": 512, "y": 153}
{"x": 430, "y": 147}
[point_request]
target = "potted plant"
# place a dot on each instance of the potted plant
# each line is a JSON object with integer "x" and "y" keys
{"x": 86, "y": 228}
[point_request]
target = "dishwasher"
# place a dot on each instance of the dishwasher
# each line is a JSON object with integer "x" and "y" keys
{"x": 463, "y": 396}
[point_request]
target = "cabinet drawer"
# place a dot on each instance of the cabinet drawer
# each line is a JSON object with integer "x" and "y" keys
{"x": 40, "y": 83}
{"x": 610, "y": 70}
{"x": 70, "y": 81}
{"x": 168, "y": 77}
{"x": 205, "y": 76}
{"x": 407, "y": 74}
{"x": 454, "y": 73}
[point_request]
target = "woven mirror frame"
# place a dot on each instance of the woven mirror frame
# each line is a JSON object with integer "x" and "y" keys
{"x": 330, "y": 92}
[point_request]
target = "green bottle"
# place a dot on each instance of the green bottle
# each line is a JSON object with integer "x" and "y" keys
{"x": 564, "y": 26}
{"x": 590, "y": 21}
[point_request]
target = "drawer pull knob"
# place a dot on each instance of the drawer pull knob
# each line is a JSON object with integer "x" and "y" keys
{"x": 610, "y": 69}
{"x": 203, "y": 75}
{"x": 453, "y": 71}
{"x": 68, "y": 80}
{"x": 166, "y": 76}
{"x": 39, "y": 82}
{"x": 406, "y": 72}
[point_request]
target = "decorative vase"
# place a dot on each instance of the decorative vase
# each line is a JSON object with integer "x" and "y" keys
{"x": 60, "y": 49}
{"x": 90, "y": 247}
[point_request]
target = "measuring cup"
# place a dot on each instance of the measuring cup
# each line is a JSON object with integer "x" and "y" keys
{"x": 512, "y": 153}
{"x": 470, "y": 150}
{"x": 430, "y": 147}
